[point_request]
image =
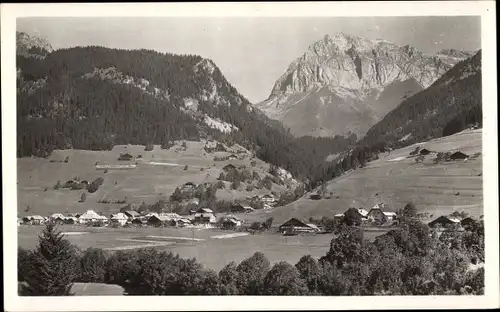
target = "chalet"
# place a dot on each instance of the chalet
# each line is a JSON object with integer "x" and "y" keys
{"x": 55, "y": 216}
{"x": 380, "y": 216}
{"x": 231, "y": 222}
{"x": 182, "y": 222}
{"x": 204, "y": 210}
{"x": 188, "y": 187}
{"x": 119, "y": 219}
{"x": 338, "y": 216}
{"x": 269, "y": 199}
{"x": 70, "y": 220}
{"x": 295, "y": 225}
{"x": 238, "y": 207}
{"x": 139, "y": 221}
{"x": 266, "y": 206}
{"x": 232, "y": 157}
{"x": 57, "y": 220}
{"x": 363, "y": 213}
{"x": 458, "y": 155}
{"x": 34, "y": 220}
{"x": 91, "y": 216}
{"x": 424, "y": 152}
{"x": 443, "y": 221}
{"x": 131, "y": 214}
{"x": 204, "y": 218}
{"x": 157, "y": 220}
{"x": 229, "y": 167}
{"x": 125, "y": 157}
{"x": 315, "y": 196}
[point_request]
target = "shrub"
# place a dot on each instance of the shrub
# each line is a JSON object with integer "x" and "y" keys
{"x": 93, "y": 266}
{"x": 284, "y": 280}
{"x": 249, "y": 188}
{"x": 58, "y": 185}
{"x": 66, "y": 159}
{"x": 185, "y": 167}
{"x": 94, "y": 186}
{"x": 83, "y": 198}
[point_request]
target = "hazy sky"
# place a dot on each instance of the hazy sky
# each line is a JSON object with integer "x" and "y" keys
{"x": 251, "y": 52}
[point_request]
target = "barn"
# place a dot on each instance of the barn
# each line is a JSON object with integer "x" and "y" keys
{"x": 458, "y": 155}
{"x": 295, "y": 225}
{"x": 443, "y": 221}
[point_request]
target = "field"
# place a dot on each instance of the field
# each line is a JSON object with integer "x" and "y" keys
{"x": 213, "y": 248}
{"x": 155, "y": 177}
{"x": 396, "y": 180}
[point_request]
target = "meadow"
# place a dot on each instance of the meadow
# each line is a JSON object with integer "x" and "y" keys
{"x": 214, "y": 248}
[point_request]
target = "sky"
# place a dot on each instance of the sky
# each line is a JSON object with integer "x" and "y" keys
{"x": 252, "y": 52}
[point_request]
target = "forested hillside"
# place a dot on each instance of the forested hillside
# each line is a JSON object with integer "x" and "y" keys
{"x": 426, "y": 114}
{"x": 95, "y": 97}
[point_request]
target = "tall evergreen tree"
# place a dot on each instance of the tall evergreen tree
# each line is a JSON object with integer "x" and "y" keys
{"x": 53, "y": 266}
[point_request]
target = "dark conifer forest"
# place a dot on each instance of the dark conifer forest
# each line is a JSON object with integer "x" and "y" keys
{"x": 60, "y": 106}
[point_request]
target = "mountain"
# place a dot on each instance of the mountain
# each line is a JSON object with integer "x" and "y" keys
{"x": 344, "y": 84}
{"x": 449, "y": 105}
{"x": 94, "y": 98}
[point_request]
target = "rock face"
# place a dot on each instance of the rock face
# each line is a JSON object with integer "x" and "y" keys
{"x": 347, "y": 83}
{"x": 32, "y": 46}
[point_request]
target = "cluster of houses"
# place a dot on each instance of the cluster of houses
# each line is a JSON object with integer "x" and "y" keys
{"x": 375, "y": 215}
{"x": 202, "y": 216}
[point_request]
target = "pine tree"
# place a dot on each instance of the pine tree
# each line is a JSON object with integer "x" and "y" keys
{"x": 53, "y": 266}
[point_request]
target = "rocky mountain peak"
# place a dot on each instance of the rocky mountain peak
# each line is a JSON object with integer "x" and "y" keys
{"x": 32, "y": 46}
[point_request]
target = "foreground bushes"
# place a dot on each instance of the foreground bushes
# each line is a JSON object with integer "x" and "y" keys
{"x": 410, "y": 260}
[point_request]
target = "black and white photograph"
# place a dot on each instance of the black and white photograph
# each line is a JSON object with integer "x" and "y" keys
{"x": 215, "y": 153}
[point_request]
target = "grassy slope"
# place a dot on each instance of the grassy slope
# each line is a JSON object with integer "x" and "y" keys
{"x": 431, "y": 187}
{"x": 146, "y": 182}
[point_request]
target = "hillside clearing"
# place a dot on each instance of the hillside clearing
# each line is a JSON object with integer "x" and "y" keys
{"x": 431, "y": 187}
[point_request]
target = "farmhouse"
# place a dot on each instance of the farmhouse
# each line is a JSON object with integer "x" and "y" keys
{"x": 378, "y": 215}
{"x": 183, "y": 222}
{"x": 125, "y": 157}
{"x": 91, "y": 216}
{"x": 229, "y": 167}
{"x": 232, "y": 157}
{"x": 34, "y": 220}
{"x": 231, "y": 222}
{"x": 443, "y": 221}
{"x": 269, "y": 199}
{"x": 188, "y": 187}
{"x": 56, "y": 216}
{"x": 131, "y": 214}
{"x": 238, "y": 207}
{"x": 295, "y": 225}
{"x": 204, "y": 210}
{"x": 424, "y": 151}
{"x": 70, "y": 220}
{"x": 156, "y": 220}
{"x": 204, "y": 218}
{"x": 140, "y": 222}
{"x": 315, "y": 196}
{"x": 458, "y": 155}
{"x": 119, "y": 219}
